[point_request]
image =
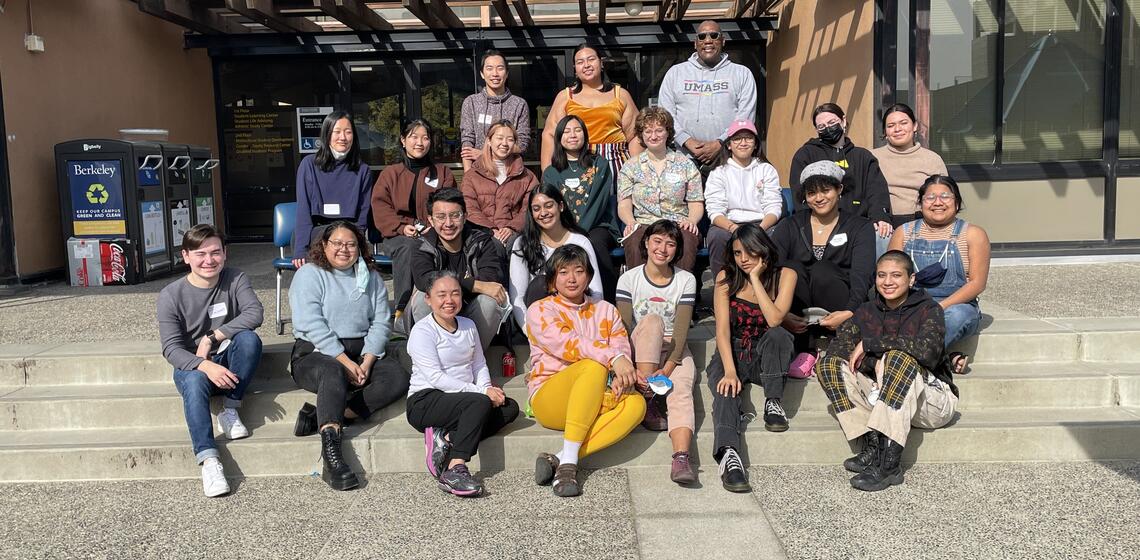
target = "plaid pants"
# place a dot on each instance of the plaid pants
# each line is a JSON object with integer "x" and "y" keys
{"x": 908, "y": 396}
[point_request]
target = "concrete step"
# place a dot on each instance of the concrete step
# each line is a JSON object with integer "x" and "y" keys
{"x": 275, "y": 400}
{"x": 1008, "y": 341}
{"x": 1042, "y": 434}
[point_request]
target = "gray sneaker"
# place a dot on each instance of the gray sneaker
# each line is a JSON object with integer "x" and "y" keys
{"x": 458, "y": 481}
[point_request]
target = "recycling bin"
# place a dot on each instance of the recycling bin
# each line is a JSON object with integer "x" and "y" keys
{"x": 179, "y": 197}
{"x": 202, "y": 165}
{"x": 114, "y": 191}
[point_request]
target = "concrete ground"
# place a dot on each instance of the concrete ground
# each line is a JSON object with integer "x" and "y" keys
{"x": 127, "y": 312}
{"x": 991, "y": 510}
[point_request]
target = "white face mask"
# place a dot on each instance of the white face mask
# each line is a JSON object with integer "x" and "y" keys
{"x": 338, "y": 155}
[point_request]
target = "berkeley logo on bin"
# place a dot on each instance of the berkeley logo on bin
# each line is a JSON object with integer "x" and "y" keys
{"x": 94, "y": 168}
{"x": 96, "y": 197}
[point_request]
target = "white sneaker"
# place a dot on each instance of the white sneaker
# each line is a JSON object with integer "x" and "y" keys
{"x": 229, "y": 423}
{"x": 214, "y": 481}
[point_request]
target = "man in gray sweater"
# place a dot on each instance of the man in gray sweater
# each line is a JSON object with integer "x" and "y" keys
{"x": 491, "y": 104}
{"x": 206, "y": 321}
{"x": 705, "y": 94}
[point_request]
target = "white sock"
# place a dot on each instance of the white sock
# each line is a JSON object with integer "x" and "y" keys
{"x": 209, "y": 461}
{"x": 569, "y": 453}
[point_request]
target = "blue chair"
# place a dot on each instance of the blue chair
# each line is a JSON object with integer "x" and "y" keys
{"x": 284, "y": 221}
{"x": 789, "y": 203}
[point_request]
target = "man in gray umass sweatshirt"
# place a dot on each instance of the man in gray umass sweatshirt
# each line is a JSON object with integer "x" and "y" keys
{"x": 206, "y": 320}
{"x": 705, "y": 94}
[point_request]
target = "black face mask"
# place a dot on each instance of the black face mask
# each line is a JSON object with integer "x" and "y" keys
{"x": 832, "y": 134}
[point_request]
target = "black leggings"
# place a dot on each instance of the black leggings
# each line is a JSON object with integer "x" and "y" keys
{"x": 323, "y": 375}
{"x": 468, "y": 418}
{"x": 602, "y": 240}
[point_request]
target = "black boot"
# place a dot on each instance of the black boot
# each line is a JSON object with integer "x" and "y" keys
{"x": 867, "y": 456}
{"x": 886, "y": 473}
{"x": 336, "y": 473}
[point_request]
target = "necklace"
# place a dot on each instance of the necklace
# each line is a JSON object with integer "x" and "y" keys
{"x": 823, "y": 227}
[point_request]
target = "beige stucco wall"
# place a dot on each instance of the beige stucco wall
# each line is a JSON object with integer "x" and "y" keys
{"x": 1049, "y": 210}
{"x": 106, "y": 66}
{"x": 1127, "y": 201}
{"x": 823, "y": 51}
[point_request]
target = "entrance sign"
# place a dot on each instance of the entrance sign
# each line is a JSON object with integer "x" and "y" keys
{"x": 309, "y": 121}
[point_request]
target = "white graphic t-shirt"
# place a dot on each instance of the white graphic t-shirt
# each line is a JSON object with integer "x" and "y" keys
{"x": 648, "y": 298}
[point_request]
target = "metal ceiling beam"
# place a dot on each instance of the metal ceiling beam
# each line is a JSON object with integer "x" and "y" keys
{"x": 424, "y": 13}
{"x": 354, "y": 13}
{"x": 739, "y": 7}
{"x": 523, "y": 11}
{"x": 504, "y": 12}
{"x": 191, "y": 16}
{"x": 663, "y": 9}
{"x": 583, "y": 15}
{"x": 265, "y": 13}
{"x": 602, "y": 6}
{"x": 682, "y": 6}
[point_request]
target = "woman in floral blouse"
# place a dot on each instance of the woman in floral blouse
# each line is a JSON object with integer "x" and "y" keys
{"x": 575, "y": 342}
{"x": 659, "y": 184}
{"x": 585, "y": 182}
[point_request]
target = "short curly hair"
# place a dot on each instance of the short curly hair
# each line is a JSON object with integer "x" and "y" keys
{"x": 654, "y": 115}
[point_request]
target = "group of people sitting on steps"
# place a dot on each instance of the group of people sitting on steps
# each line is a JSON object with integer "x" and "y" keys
{"x": 874, "y": 258}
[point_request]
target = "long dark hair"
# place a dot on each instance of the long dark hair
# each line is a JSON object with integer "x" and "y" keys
{"x": 755, "y": 242}
{"x": 325, "y": 160}
{"x": 317, "y": 250}
{"x": 530, "y": 241}
{"x": 559, "y": 160}
{"x": 576, "y": 87}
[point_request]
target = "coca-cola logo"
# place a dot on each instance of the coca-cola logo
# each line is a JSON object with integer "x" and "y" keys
{"x": 118, "y": 263}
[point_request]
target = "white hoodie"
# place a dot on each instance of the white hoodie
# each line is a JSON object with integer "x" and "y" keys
{"x": 704, "y": 101}
{"x": 743, "y": 194}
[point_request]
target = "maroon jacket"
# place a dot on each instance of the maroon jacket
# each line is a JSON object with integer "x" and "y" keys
{"x": 392, "y": 203}
{"x": 492, "y": 205}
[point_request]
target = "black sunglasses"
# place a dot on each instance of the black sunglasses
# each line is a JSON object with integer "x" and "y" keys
{"x": 708, "y": 36}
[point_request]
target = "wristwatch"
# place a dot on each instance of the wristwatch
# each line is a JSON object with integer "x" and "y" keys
{"x": 213, "y": 339}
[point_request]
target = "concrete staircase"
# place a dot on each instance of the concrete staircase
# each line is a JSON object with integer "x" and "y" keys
{"x": 1040, "y": 390}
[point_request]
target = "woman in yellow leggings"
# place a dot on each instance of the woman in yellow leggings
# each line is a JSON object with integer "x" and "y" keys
{"x": 576, "y": 339}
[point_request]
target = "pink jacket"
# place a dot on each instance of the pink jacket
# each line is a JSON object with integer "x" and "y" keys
{"x": 562, "y": 333}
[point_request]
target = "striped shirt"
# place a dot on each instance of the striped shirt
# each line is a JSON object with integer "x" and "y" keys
{"x": 944, "y": 233}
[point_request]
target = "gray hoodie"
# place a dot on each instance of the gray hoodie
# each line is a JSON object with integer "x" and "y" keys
{"x": 480, "y": 111}
{"x": 704, "y": 101}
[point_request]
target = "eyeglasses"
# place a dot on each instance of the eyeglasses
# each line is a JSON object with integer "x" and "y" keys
{"x": 708, "y": 36}
{"x": 742, "y": 139}
{"x": 444, "y": 218}
{"x": 350, "y": 245}
{"x": 820, "y": 128}
{"x": 944, "y": 197}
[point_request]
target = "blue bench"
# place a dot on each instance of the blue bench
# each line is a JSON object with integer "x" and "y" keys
{"x": 284, "y": 222}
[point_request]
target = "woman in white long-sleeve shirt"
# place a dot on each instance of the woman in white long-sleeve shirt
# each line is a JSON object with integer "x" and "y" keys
{"x": 745, "y": 188}
{"x": 451, "y": 398}
{"x": 549, "y": 225}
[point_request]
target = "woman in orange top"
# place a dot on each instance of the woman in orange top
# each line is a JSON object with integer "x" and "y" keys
{"x": 607, "y": 110}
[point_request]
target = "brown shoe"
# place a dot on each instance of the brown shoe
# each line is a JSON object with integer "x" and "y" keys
{"x": 566, "y": 481}
{"x": 655, "y": 419}
{"x": 544, "y": 467}
{"x": 682, "y": 471}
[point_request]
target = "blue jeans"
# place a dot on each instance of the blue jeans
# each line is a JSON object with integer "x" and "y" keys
{"x": 962, "y": 320}
{"x": 241, "y": 358}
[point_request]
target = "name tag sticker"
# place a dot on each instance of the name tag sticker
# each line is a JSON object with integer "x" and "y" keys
{"x": 433, "y": 183}
{"x": 331, "y": 210}
{"x": 838, "y": 240}
{"x": 573, "y": 183}
{"x": 673, "y": 177}
{"x": 484, "y": 118}
{"x": 217, "y": 310}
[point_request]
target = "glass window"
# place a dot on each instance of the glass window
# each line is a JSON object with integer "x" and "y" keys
{"x": 378, "y": 107}
{"x": 1130, "y": 83}
{"x": 257, "y": 112}
{"x": 536, "y": 78}
{"x": 962, "y": 85}
{"x": 1054, "y": 47}
{"x": 444, "y": 84}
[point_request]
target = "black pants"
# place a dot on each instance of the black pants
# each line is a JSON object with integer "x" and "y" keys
{"x": 765, "y": 362}
{"x": 602, "y": 240}
{"x": 323, "y": 375}
{"x": 468, "y": 418}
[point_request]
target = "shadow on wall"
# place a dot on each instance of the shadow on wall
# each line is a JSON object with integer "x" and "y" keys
{"x": 836, "y": 60}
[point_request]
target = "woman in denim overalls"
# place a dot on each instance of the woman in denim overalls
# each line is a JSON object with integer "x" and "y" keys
{"x": 939, "y": 263}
